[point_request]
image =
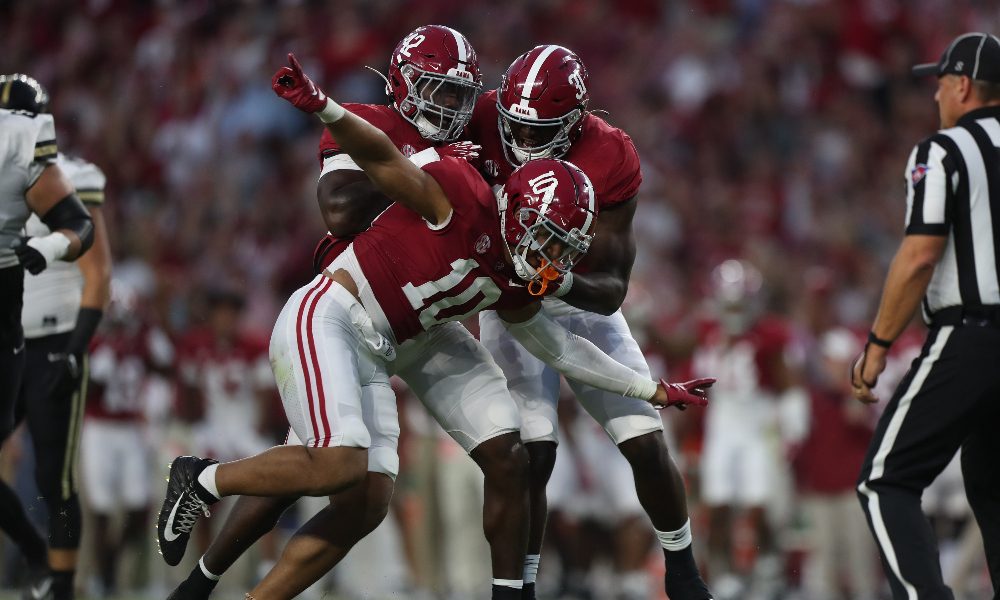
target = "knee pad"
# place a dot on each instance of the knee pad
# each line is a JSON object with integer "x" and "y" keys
{"x": 382, "y": 459}
{"x": 64, "y": 522}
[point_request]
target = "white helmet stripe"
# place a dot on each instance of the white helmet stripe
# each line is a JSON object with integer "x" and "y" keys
{"x": 590, "y": 204}
{"x": 529, "y": 83}
{"x": 463, "y": 52}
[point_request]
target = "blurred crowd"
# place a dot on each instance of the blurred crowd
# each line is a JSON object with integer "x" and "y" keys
{"x": 774, "y": 131}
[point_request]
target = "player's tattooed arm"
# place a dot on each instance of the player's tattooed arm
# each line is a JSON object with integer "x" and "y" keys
{"x": 602, "y": 288}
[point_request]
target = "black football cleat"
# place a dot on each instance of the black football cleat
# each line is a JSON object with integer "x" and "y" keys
{"x": 39, "y": 585}
{"x": 195, "y": 587}
{"x": 686, "y": 586}
{"x": 182, "y": 507}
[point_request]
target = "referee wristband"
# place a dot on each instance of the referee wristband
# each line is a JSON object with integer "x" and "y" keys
{"x": 874, "y": 339}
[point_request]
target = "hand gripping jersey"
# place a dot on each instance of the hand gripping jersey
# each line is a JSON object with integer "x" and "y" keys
{"x": 605, "y": 153}
{"x": 422, "y": 275}
{"x": 331, "y": 158}
{"x": 52, "y": 298}
{"x": 27, "y": 146}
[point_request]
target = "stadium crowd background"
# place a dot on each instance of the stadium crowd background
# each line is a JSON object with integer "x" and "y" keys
{"x": 772, "y": 130}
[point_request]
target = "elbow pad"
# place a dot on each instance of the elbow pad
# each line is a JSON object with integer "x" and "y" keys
{"x": 69, "y": 213}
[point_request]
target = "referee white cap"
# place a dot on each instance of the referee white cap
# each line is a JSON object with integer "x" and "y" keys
{"x": 974, "y": 55}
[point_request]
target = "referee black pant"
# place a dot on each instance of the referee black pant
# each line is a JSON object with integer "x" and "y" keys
{"x": 949, "y": 399}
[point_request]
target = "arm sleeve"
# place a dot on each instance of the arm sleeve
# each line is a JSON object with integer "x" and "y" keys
{"x": 577, "y": 358}
{"x": 929, "y": 190}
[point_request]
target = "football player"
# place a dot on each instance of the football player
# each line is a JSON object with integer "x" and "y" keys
{"x": 757, "y": 354}
{"x": 30, "y": 181}
{"x": 129, "y": 359}
{"x": 435, "y": 256}
{"x": 62, "y": 308}
{"x": 541, "y": 111}
{"x": 433, "y": 81}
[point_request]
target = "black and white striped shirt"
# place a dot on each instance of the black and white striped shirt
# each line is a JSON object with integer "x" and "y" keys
{"x": 953, "y": 189}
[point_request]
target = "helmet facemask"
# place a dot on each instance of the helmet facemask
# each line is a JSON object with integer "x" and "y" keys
{"x": 545, "y": 251}
{"x": 438, "y": 105}
{"x": 554, "y": 134}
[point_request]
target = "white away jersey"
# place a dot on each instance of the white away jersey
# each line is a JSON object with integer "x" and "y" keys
{"x": 27, "y": 146}
{"x": 52, "y": 298}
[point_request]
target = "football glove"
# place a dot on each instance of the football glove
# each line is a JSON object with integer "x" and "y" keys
{"x": 292, "y": 84}
{"x": 466, "y": 150}
{"x": 30, "y": 258}
{"x": 689, "y": 393}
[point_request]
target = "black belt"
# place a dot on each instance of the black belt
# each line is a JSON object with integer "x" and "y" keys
{"x": 959, "y": 316}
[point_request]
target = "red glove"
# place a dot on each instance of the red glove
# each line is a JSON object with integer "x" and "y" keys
{"x": 466, "y": 150}
{"x": 295, "y": 86}
{"x": 682, "y": 395}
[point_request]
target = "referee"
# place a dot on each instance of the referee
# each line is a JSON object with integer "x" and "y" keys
{"x": 948, "y": 263}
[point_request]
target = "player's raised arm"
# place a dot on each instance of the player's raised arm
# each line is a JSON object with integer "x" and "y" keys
{"x": 389, "y": 170}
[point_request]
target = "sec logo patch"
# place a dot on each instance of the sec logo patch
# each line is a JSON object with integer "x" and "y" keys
{"x": 483, "y": 244}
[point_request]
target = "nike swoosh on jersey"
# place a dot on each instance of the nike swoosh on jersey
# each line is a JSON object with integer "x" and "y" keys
{"x": 19, "y": 349}
{"x": 168, "y": 530}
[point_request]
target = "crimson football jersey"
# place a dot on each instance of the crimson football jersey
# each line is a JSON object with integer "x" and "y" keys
{"x": 744, "y": 365}
{"x": 228, "y": 374}
{"x": 119, "y": 366}
{"x": 605, "y": 153}
{"x": 405, "y": 137}
{"x": 423, "y": 276}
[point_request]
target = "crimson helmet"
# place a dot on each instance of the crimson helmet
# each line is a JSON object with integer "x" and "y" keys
{"x": 736, "y": 289}
{"x": 434, "y": 81}
{"x": 544, "y": 89}
{"x": 547, "y": 207}
{"x": 23, "y": 92}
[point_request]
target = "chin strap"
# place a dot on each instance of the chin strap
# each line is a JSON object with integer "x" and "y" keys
{"x": 537, "y": 287}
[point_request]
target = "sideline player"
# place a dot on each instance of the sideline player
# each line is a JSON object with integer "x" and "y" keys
{"x": 63, "y": 306}
{"x": 332, "y": 341}
{"x": 740, "y": 461}
{"x": 30, "y": 181}
{"x": 540, "y": 111}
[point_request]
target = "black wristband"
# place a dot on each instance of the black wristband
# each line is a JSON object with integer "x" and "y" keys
{"x": 874, "y": 339}
{"x": 87, "y": 321}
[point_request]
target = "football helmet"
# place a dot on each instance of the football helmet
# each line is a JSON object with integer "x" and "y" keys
{"x": 22, "y": 92}
{"x": 541, "y": 101}
{"x": 736, "y": 287}
{"x": 434, "y": 81}
{"x": 547, "y": 211}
